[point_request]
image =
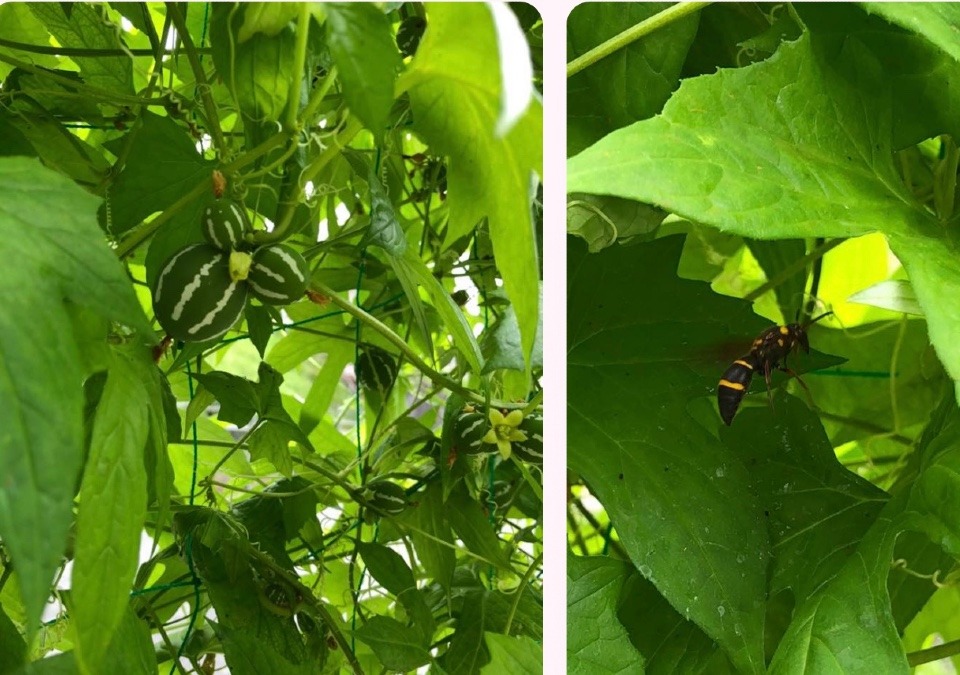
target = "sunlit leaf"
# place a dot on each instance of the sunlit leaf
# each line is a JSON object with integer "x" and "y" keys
{"x": 49, "y": 229}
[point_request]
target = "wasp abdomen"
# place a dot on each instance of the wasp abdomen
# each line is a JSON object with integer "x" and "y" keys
{"x": 734, "y": 384}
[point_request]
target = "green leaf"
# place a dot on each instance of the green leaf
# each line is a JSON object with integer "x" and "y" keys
{"x": 88, "y": 27}
{"x": 15, "y": 142}
{"x": 407, "y": 278}
{"x": 254, "y": 639}
{"x": 259, "y": 72}
{"x": 131, "y": 647}
{"x": 597, "y": 642}
{"x": 431, "y": 535}
{"x": 38, "y": 94}
{"x": 455, "y": 93}
{"x": 138, "y": 15}
{"x": 483, "y": 612}
{"x": 895, "y": 295}
{"x": 597, "y": 101}
{"x": 387, "y": 567}
{"x": 296, "y": 347}
{"x": 13, "y": 649}
{"x": 926, "y": 43}
{"x": 397, "y": 646}
{"x": 272, "y": 520}
{"x": 112, "y": 510}
{"x": 268, "y": 18}
{"x": 60, "y": 664}
{"x": 57, "y": 147}
{"x": 717, "y": 168}
{"x": 198, "y": 405}
{"x": 260, "y": 326}
{"x": 392, "y": 572}
{"x": 467, "y": 652}
{"x": 169, "y": 403}
{"x": 935, "y": 22}
{"x": 514, "y": 655}
{"x": 54, "y": 251}
{"x": 163, "y": 165}
{"x": 271, "y": 441}
{"x": 668, "y": 642}
{"x": 507, "y": 352}
{"x": 164, "y": 427}
{"x": 325, "y": 385}
{"x": 238, "y": 397}
{"x": 451, "y": 314}
{"x": 932, "y": 497}
{"x": 385, "y": 230}
{"x": 661, "y": 333}
{"x": 18, "y": 24}
{"x": 602, "y": 221}
{"x": 817, "y": 511}
{"x": 909, "y": 593}
{"x": 776, "y": 256}
{"x": 474, "y": 529}
{"x": 847, "y": 626}
{"x": 363, "y": 48}
{"x": 865, "y": 377}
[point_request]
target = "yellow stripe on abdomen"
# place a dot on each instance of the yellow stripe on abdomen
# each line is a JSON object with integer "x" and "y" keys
{"x": 732, "y": 385}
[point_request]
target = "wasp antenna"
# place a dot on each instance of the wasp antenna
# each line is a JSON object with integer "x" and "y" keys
{"x": 814, "y": 320}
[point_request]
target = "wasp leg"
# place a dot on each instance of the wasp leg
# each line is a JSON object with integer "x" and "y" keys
{"x": 792, "y": 373}
{"x": 766, "y": 375}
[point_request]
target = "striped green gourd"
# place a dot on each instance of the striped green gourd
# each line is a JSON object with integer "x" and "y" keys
{"x": 194, "y": 297}
{"x": 386, "y": 497}
{"x": 224, "y": 224}
{"x": 278, "y": 275}
{"x": 469, "y": 429}
{"x": 376, "y": 369}
{"x": 530, "y": 450}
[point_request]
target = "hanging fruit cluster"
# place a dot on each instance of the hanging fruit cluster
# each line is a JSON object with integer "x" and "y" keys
{"x": 474, "y": 433}
{"x": 202, "y": 289}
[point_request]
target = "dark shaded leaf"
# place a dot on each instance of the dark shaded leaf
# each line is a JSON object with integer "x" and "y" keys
{"x": 238, "y": 397}
{"x": 272, "y": 520}
{"x": 668, "y": 642}
{"x": 13, "y": 649}
{"x": 163, "y": 164}
{"x": 260, "y": 326}
{"x": 597, "y": 102}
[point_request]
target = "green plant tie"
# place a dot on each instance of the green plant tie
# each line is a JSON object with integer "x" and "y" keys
{"x": 606, "y": 539}
{"x": 196, "y": 604}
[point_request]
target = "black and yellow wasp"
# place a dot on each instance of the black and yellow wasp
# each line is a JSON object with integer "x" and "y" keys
{"x": 767, "y": 353}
